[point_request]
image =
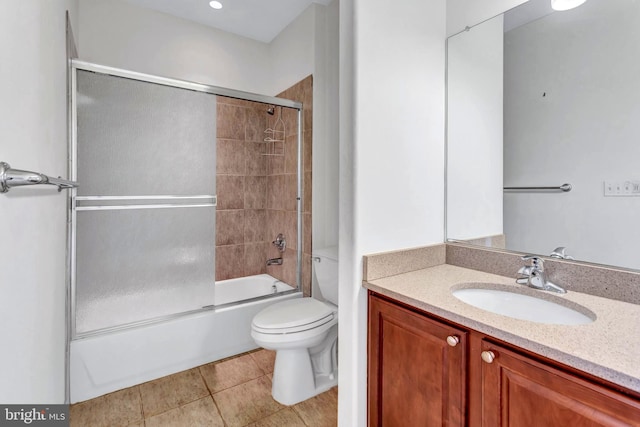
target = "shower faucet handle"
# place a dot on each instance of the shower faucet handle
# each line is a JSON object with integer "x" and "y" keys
{"x": 280, "y": 242}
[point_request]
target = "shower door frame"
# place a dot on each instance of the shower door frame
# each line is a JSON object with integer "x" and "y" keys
{"x": 73, "y": 162}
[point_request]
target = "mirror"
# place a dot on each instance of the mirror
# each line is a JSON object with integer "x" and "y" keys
{"x": 538, "y": 98}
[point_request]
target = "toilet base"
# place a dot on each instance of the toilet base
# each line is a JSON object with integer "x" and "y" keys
{"x": 294, "y": 381}
{"x": 302, "y": 373}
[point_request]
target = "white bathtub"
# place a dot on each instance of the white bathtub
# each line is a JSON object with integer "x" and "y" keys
{"x": 112, "y": 361}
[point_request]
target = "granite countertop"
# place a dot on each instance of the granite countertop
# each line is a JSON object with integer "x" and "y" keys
{"x": 608, "y": 348}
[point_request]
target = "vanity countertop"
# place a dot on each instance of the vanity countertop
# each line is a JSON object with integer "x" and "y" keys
{"x": 608, "y": 348}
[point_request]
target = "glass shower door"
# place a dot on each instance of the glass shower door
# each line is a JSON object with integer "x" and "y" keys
{"x": 144, "y": 214}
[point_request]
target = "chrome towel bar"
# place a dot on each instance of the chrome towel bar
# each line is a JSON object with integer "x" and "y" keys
{"x": 10, "y": 178}
{"x": 564, "y": 187}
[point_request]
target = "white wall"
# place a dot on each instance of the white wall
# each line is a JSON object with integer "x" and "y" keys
{"x": 474, "y": 132}
{"x": 326, "y": 126}
{"x": 583, "y": 131}
{"x": 119, "y": 34}
{"x": 309, "y": 45}
{"x": 351, "y": 324}
{"x": 291, "y": 53}
{"x": 33, "y": 136}
{"x": 122, "y": 35}
{"x": 467, "y": 13}
{"x": 392, "y": 156}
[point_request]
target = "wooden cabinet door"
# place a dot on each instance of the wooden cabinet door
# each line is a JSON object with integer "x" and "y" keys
{"x": 415, "y": 377}
{"x": 520, "y": 392}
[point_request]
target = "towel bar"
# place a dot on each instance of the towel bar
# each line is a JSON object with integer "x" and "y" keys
{"x": 564, "y": 187}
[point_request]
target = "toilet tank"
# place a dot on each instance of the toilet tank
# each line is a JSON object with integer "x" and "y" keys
{"x": 325, "y": 264}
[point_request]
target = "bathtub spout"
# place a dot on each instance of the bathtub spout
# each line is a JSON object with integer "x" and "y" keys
{"x": 276, "y": 261}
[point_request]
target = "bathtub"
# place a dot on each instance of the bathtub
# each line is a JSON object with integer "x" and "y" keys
{"x": 111, "y": 361}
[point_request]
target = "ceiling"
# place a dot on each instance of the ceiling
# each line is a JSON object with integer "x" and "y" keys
{"x": 260, "y": 20}
{"x": 525, "y": 13}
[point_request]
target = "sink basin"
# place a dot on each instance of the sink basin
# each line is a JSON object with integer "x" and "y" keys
{"x": 524, "y": 307}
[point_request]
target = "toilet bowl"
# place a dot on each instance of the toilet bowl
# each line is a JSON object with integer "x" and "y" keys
{"x": 304, "y": 334}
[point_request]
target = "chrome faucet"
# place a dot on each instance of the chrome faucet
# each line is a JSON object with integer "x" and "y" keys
{"x": 560, "y": 253}
{"x": 274, "y": 261}
{"x": 280, "y": 242}
{"x": 534, "y": 276}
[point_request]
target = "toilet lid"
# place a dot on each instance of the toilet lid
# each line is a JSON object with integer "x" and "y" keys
{"x": 293, "y": 315}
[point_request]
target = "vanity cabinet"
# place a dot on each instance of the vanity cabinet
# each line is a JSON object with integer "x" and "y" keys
{"x": 427, "y": 372}
{"x": 519, "y": 391}
{"x": 417, "y": 369}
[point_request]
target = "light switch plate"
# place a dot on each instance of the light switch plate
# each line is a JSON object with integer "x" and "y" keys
{"x": 622, "y": 188}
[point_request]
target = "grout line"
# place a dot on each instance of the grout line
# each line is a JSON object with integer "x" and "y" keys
{"x": 141, "y": 403}
{"x": 177, "y": 407}
{"x": 215, "y": 404}
{"x": 239, "y": 384}
{"x": 180, "y": 405}
{"x": 205, "y": 381}
{"x": 295, "y": 411}
{"x": 247, "y": 353}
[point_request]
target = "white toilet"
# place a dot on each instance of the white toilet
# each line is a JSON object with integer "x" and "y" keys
{"x": 304, "y": 334}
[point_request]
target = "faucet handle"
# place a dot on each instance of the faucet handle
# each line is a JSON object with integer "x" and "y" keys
{"x": 525, "y": 271}
{"x": 560, "y": 253}
{"x": 280, "y": 242}
{"x": 523, "y": 275}
{"x": 536, "y": 261}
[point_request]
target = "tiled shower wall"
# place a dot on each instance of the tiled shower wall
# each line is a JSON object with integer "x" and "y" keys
{"x": 282, "y": 186}
{"x": 257, "y": 193}
{"x": 241, "y": 238}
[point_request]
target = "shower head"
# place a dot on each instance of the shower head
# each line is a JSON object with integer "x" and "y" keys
{"x": 271, "y": 110}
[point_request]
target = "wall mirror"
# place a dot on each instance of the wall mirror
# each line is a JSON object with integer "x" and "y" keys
{"x": 536, "y": 99}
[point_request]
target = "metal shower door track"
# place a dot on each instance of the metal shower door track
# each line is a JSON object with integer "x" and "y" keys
{"x": 199, "y": 87}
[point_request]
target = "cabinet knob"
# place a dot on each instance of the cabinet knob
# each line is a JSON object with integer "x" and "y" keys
{"x": 453, "y": 340}
{"x": 488, "y": 356}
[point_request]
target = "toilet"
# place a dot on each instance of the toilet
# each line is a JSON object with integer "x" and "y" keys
{"x": 304, "y": 334}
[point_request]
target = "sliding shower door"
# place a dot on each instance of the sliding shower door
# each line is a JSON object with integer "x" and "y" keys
{"x": 144, "y": 215}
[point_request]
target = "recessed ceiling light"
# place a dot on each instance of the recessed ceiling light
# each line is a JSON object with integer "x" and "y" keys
{"x": 565, "y": 4}
{"x": 215, "y": 4}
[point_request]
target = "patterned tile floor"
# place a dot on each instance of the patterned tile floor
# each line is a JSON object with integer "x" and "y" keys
{"x": 231, "y": 392}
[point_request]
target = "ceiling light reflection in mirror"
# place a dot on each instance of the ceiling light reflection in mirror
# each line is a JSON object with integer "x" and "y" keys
{"x": 566, "y": 4}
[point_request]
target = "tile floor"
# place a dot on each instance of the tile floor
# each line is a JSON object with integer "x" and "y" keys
{"x": 231, "y": 392}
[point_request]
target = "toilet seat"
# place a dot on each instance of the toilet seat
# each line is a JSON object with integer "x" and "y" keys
{"x": 293, "y": 316}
